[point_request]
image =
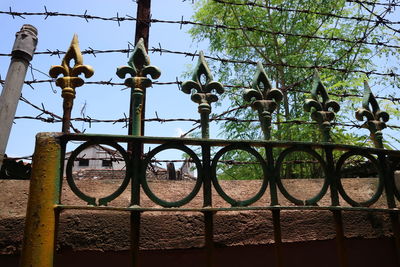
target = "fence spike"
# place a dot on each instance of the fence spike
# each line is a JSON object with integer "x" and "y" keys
{"x": 70, "y": 81}
{"x": 375, "y": 119}
{"x": 202, "y": 88}
{"x": 263, "y": 98}
{"x": 321, "y": 107}
{"x": 138, "y": 68}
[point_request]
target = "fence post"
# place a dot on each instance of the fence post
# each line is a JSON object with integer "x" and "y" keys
{"x": 44, "y": 194}
{"x": 202, "y": 82}
{"x": 265, "y": 100}
{"x": 22, "y": 53}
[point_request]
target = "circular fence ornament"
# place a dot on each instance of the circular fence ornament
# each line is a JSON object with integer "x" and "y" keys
{"x": 380, "y": 185}
{"x": 89, "y": 199}
{"x": 310, "y": 201}
{"x": 219, "y": 189}
{"x": 150, "y": 193}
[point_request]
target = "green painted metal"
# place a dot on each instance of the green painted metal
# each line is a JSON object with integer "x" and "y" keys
{"x": 201, "y": 87}
{"x": 219, "y": 189}
{"x": 206, "y": 165}
{"x": 264, "y": 99}
{"x": 138, "y": 67}
{"x": 322, "y": 110}
{"x": 375, "y": 119}
{"x": 92, "y": 200}
{"x": 195, "y": 189}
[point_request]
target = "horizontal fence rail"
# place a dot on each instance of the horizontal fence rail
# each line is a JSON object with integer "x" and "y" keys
{"x": 384, "y": 161}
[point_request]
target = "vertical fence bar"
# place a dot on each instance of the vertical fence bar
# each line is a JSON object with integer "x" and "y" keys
{"x": 202, "y": 88}
{"x": 44, "y": 194}
{"x": 138, "y": 68}
{"x": 375, "y": 122}
{"x": 135, "y": 216}
{"x": 323, "y": 112}
{"x": 337, "y": 214}
{"x": 265, "y": 100}
{"x": 208, "y": 215}
{"x": 207, "y": 192}
{"x": 276, "y": 213}
{"x": 391, "y": 202}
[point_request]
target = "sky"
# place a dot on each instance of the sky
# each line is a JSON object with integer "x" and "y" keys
{"x": 100, "y": 101}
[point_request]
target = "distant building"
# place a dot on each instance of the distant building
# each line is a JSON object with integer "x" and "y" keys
{"x": 98, "y": 162}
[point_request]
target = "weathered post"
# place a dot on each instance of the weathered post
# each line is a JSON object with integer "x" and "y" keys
{"x": 201, "y": 88}
{"x": 44, "y": 194}
{"x": 22, "y": 53}
{"x": 142, "y": 31}
{"x": 265, "y": 100}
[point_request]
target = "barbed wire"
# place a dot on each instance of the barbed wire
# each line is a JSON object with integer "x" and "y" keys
{"x": 217, "y": 58}
{"x": 391, "y": 4}
{"x": 181, "y": 22}
{"x": 305, "y": 11}
{"x": 178, "y": 83}
{"x": 54, "y": 118}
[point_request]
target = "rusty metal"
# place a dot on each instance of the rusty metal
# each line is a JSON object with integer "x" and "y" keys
{"x": 202, "y": 88}
{"x": 70, "y": 81}
{"x": 264, "y": 99}
{"x": 322, "y": 110}
{"x": 50, "y": 155}
{"x": 375, "y": 119}
{"x": 143, "y": 16}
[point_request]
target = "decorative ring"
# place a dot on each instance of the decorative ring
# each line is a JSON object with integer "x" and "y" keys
{"x": 341, "y": 190}
{"x": 218, "y": 187}
{"x": 196, "y": 188}
{"x": 91, "y": 200}
{"x": 319, "y": 195}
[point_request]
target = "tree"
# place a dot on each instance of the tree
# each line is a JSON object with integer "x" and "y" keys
{"x": 290, "y": 38}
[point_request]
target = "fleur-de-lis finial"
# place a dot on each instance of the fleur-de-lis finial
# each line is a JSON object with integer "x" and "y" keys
{"x": 70, "y": 81}
{"x": 263, "y": 98}
{"x": 322, "y": 110}
{"x": 138, "y": 68}
{"x": 201, "y": 87}
{"x": 375, "y": 119}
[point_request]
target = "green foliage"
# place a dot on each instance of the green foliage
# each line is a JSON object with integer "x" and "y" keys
{"x": 282, "y": 41}
{"x": 239, "y": 165}
{"x": 292, "y": 47}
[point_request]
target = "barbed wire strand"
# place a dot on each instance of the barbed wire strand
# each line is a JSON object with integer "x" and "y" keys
{"x": 118, "y": 19}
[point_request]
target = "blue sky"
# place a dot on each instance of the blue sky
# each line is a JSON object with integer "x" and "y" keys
{"x": 102, "y": 102}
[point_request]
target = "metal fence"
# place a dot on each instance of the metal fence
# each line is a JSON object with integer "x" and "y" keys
{"x": 45, "y": 203}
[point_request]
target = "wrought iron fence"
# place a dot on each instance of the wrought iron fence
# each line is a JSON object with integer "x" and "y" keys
{"x": 45, "y": 202}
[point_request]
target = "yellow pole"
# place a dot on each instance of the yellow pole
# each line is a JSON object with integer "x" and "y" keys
{"x": 44, "y": 192}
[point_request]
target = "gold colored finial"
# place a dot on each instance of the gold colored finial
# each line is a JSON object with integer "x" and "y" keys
{"x": 70, "y": 81}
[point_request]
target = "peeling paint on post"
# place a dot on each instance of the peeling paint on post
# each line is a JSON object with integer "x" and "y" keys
{"x": 44, "y": 194}
{"x": 22, "y": 53}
